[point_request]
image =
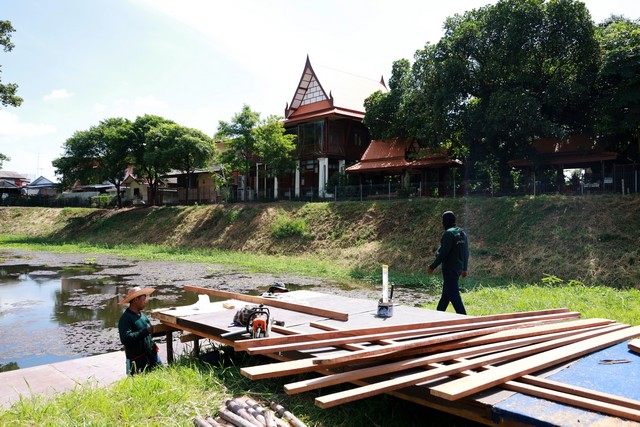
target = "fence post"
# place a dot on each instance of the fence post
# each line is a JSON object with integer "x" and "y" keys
{"x": 361, "y": 192}
{"x": 335, "y": 193}
{"x": 389, "y": 189}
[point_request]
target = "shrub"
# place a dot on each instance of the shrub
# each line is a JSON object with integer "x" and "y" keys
{"x": 289, "y": 227}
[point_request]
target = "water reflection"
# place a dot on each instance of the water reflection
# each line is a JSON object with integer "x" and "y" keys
{"x": 49, "y": 314}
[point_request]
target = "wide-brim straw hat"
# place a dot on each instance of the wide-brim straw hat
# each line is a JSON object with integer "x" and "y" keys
{"x": 136, "y": 292}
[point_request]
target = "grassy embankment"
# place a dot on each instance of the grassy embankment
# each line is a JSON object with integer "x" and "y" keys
{"x": 529, "y": 253}
{"x": 526, "y": 253}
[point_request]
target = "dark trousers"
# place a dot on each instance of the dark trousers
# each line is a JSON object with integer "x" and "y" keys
{"x": 451, "y": 292}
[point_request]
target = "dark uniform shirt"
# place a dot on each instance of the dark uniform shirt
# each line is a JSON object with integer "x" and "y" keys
{"x": 453, "y": 252}
{"x": 138, "y": 342}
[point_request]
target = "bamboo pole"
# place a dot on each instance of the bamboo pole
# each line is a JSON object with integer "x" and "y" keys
{"x": 241, "y": 411}
{"x": 295, "y": 422}
{"x": 236, "y": 420}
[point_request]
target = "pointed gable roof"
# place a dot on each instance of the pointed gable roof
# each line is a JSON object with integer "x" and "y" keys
{"x": 324, "y": 91}
{"x": 41, "y": 181}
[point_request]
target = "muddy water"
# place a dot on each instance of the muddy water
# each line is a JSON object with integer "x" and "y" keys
{"x": 52, "y": 315}
{"x": 55, "y": 307}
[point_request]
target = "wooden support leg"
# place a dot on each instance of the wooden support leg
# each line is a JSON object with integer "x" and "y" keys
{"x": 196, "y": 347}
{"x": 169, "y": 336}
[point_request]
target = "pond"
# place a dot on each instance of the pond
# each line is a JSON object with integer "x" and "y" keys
{"x": 56, "y": 314}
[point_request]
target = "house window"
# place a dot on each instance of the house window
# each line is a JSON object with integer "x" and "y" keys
{"x": 310, "y": 137}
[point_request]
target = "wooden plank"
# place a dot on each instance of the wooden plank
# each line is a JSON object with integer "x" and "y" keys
{"x": 430, "y": 341}
{"x": 271, "y": 302}
{"x": 243, "y": 345}
{"x": 388, "y": 368}
{"x": 571, "y": 399}
{"x": 634, "y": 345}
{"x": 422, "y": 377}
{"x": 580, "y": 391}
{"x": 472, "y": 329}
{"x": 274, "y": 370}
{"x": 570, "y": 394}
{"x": 463, "y": 387}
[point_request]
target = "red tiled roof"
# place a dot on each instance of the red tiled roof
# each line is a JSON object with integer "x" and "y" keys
{"x": 391, "y": 156}
{"x": 573, "y": 150}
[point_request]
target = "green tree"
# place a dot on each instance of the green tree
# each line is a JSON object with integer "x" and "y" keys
{"x": 152, "y": 151}
{"x": 190, "y": 149}
{"x": 500, "y": 76}
{"x": 3, "y": 158}
{"x": 240, "y": 141}
{"x": 618, "y": 117}
{"x": 384, "y": 110}
{"x": 275, "y": 147}
{"x": 99, "y": 154}
{"x": 8, "y": 91}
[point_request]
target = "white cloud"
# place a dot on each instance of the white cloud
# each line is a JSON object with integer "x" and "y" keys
{"x": 10, "y": 126}
{"x": 58, "y": 94}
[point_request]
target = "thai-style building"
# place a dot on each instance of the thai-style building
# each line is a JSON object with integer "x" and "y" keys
{"x": 426, "y": 172}
{"x": 580, "y": 152}
{"x": 326, "y": 114}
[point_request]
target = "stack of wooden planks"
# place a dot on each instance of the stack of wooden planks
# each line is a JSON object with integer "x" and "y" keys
{"x": 452, "y": 359}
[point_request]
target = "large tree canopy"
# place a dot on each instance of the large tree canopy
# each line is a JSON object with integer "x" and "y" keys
{"x": 618, "y": 117}
{"x": 248, "y": 139}
{"x": 8, "y": 91}
{"x": 239, "y": 139}
{"x": 99, "y": 154}
{"x": 274, "y": 146}
{"x": 500, "y": 76}
{"x": 151, "y": 151}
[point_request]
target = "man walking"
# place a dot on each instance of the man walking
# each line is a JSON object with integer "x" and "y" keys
{"x": 453, "y": 254}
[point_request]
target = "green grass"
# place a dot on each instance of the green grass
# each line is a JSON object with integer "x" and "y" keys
{"x": 622, "y": 305}
{"x": 173, "y": 395}
{"x": 250, "y": 262}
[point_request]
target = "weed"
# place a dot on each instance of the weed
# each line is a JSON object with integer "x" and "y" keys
{"x": 284, "y": 227}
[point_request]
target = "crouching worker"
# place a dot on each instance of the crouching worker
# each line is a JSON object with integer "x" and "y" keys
{"x": 136, "y": 332}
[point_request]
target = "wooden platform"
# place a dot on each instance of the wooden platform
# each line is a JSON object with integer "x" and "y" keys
{"x": 492, "y": 407}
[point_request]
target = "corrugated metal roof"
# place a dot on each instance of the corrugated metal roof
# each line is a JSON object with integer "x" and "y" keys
{"x": 11, "y": 175}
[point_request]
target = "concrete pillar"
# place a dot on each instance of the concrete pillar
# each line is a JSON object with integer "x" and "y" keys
{"x": 275, "y": 188}
{"x": 341, "y": 166}
{"x": 323, "y": 171}
{"x": 297, "y": 183}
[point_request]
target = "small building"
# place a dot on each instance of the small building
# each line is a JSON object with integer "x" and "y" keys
{"x": 17, "y": 179}
{"x": 415, "y": 169}
{"x": 201, "y": 185}
{"x": 325, "y": 114}
{"x": 41, "y": 187}
{"x": 578, "y": 152}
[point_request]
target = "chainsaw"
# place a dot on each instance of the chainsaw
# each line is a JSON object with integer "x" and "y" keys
{"x": 256, "y": 319}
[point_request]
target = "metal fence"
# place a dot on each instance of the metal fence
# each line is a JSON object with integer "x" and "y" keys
{"x": 623, "y": 179}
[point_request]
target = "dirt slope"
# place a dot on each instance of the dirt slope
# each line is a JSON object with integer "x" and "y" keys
{"x": 592, "y": 239}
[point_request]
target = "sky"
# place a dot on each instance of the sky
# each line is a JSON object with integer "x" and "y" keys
{"x": 196, "y": 62}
